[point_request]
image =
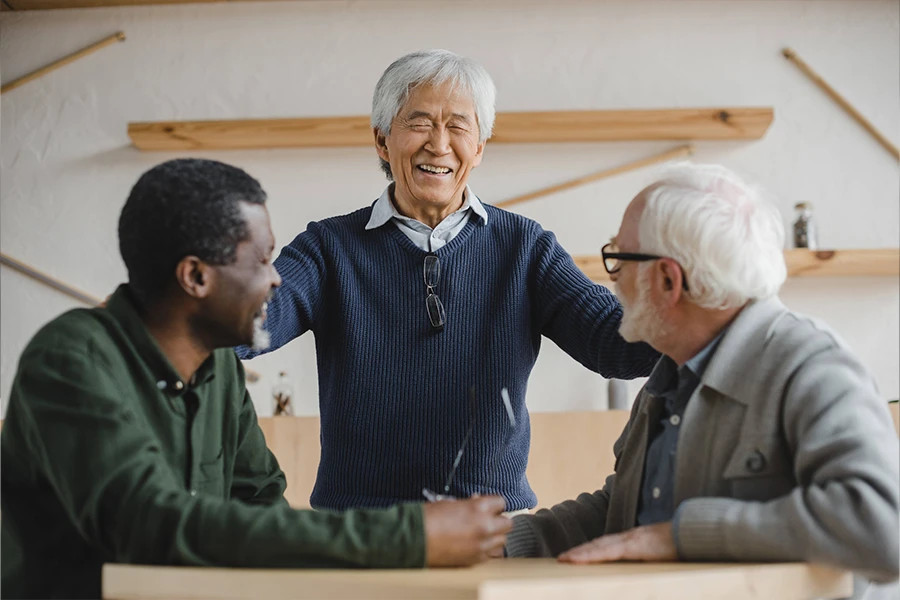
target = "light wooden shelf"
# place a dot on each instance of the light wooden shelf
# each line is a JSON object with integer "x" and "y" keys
{"x": 882, "y": 262}
{"x": 509, "y": 128}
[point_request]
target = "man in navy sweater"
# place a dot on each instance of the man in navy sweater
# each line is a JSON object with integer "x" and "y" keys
{"x": 429, "y": 294}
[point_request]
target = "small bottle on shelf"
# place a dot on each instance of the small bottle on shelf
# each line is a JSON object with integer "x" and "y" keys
{"x": 805, "y": 235}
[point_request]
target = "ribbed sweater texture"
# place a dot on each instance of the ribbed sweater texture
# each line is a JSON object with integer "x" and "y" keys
{"x": 394, "y": 394}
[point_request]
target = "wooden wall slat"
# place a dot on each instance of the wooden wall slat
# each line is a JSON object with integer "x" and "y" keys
{"x": 509, "y": 128}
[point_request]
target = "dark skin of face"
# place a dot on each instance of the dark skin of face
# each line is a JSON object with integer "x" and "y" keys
{"x": 213, "y": 306}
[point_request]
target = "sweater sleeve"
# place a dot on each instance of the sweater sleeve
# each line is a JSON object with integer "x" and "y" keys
{"x": 552, "y": 531}
{"x": 112, "y": 480}
{"x": 294, "y": 307}
{"x": 844, "y": 510}
{"x": 583, "y": 318}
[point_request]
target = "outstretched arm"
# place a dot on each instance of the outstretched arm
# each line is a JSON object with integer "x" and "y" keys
{"x": 582, "y": 317}
{"x": 294, "y": 307}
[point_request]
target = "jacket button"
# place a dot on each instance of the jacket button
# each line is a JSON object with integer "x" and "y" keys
{"x": 756, "y": 462}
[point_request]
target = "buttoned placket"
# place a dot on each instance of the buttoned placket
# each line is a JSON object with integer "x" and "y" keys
{"x": 185, "y": 401}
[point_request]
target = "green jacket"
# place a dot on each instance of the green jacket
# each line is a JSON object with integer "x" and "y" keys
{"x": 108, "y": 456}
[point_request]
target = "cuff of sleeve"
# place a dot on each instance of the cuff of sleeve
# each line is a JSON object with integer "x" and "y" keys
{"x": 522, "y": 541}
{"x": 698, "y": 529}
{"x": 405, "y": 546}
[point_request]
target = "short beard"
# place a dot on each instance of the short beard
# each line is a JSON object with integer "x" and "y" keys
{"x": 261, "y": 337}
{"x": 641, "y": 321}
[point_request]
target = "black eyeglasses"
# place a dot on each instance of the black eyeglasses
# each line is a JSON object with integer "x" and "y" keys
{"x": 507, "y": 404}
{"x": 612, "y": 261}
{"x": 433, "y": 304}
{"x": 445, "y": 492}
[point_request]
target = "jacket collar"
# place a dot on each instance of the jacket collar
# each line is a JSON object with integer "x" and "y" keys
{"x": 743, "y": 344}
{"x": 125, "y": 309}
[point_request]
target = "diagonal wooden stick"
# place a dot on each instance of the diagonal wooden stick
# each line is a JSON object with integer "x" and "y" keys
{"x": 56, "y": 284}
{"x": 116, "y": 37}
{"x": 678, "y": 152}
{"x": 832, "y": 93}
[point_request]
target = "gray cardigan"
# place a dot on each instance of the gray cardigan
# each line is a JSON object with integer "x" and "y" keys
{"x": 786, "y": 453}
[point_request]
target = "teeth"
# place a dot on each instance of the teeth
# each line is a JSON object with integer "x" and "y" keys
{"x": 433, "y": 169}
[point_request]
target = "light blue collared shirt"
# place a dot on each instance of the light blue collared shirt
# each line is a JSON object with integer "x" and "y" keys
{"x": 422, "y": 235}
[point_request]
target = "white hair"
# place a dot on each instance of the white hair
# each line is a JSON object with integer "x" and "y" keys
{"x": 725, "y": 234}
{"x": 433, "y": 67}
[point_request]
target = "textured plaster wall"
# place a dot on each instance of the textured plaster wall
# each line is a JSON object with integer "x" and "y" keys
{"x": 67, "y": 164}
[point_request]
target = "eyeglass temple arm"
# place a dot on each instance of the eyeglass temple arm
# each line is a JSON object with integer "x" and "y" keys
{"x": 465, "y": 442}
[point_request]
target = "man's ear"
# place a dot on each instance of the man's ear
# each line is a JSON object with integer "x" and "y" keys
{"x": 195, "y": 277}
{"x": 479, "y": 154}
{"x": 672, "y": 275}
{"x": 381, "y": 144}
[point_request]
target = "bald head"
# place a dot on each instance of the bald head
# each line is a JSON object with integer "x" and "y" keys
{"x": 628, "y": 239}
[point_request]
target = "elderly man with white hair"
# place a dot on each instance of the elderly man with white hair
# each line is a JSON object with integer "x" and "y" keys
{"x": 759, "y": 436}
{"x": 427, "y": 303}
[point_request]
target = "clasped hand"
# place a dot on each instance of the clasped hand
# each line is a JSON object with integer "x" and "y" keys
{"x": 465, "y": 532}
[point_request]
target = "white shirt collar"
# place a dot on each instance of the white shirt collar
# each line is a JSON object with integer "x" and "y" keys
{"x": 384, "y": 210}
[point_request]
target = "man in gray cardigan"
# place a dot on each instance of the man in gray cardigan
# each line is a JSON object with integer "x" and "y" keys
{"x": 759, "y": 436}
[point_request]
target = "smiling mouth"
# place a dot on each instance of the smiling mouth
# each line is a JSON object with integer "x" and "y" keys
{"x": 434, "y": 170}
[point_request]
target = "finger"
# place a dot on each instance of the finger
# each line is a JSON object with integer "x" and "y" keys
{"x": 500, "y": 525}
{"x": 490, "y": 504}
{"x": 598, "y": 551}
{"x": 492, "y": 545}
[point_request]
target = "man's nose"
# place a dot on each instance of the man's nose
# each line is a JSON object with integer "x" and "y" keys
{"x": 439, "y": 141}
{"x": 276, "y": 278}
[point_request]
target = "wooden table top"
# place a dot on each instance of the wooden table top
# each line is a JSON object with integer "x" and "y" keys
{"x": 511, "y": 579}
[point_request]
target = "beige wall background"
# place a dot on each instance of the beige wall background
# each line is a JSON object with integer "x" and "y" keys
{"x": 67, "y": 164}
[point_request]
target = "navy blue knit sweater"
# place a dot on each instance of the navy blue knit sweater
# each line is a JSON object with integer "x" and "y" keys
{"x": 393, "y": 392}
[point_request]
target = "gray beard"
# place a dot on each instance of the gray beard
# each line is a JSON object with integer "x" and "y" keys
{"x": 640, "y": 319}
{"x": 261, "y": 337}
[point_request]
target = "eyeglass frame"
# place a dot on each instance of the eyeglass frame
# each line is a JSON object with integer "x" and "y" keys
{"x": 635, "y": 257}
{"x": 445, "y": 493}
{"x": 437, "y": 315}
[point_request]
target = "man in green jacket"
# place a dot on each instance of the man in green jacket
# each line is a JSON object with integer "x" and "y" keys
{"x": 130, "y": 436}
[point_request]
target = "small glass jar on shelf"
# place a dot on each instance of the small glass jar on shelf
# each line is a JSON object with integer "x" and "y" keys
{"x": 805, "y": 233}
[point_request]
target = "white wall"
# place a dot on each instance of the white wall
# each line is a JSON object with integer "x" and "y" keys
{"x": 67, "y": 164}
